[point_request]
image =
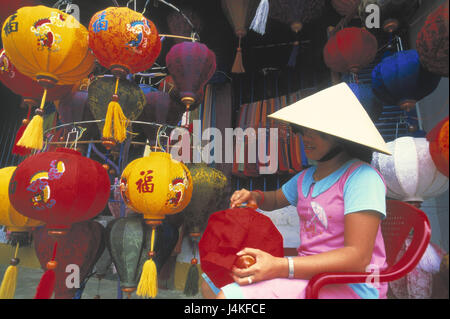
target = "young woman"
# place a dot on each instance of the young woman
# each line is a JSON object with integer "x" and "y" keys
{"x": 340, "y": 202}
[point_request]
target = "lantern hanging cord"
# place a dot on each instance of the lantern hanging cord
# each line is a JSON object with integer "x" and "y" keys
{"x": 17, "y": 249}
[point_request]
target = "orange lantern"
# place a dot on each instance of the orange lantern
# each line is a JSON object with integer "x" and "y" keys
{"x": 123, "y": 41}
{"x": 438, "y": 139}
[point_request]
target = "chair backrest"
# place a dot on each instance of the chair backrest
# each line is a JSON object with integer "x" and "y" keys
{"x": 402, "y": 218}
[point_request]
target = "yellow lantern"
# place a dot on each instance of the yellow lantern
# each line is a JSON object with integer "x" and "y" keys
{"x": 155, "y": 186}
{"x": 14, "y": 222}
{"x": 49, "y": 46}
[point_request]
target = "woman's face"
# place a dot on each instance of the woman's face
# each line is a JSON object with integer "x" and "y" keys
{"x": 316, "y": 144}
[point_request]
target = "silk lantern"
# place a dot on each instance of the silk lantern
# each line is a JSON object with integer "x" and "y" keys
{"x": 155, "y": 186}
{"x": 400, "y": 80}
{"x": 123, "y": 41}
{"x": 59, "y": 188}
{"x": 53, "y": 59}
{"x": 393, "y": 13}
{"x": 51, "y": 47}
{"x": 191, "y": 65}
{"x": 228, "y": 232}
{"x": 438, "y": 141}
{"x": 129, "y": 96}
{"x": 350, "y": 50}
{"x": 209, "y": 187}
{"x": 238, "y": 14}
{"x": 432, "y": 41}
{"x": 410, "y": 173}
{"x": 82, "y": 246}
{"x": 20, "y": 227}
{"x": 129, "y": 243}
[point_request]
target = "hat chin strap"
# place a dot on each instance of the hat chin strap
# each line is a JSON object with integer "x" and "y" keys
{"x": 331, "y": 153}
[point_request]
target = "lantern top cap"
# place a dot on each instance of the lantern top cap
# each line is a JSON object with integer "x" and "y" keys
{"x": 335, "y": 111}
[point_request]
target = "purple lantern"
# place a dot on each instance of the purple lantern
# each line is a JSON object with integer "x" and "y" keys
{"x": 191, "y": 65}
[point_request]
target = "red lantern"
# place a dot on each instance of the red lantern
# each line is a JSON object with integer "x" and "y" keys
{"x": 432, "y": 41}
{"x": 438, "y": 139}
{"x": 191, "y": 65}
{"x": 59, "y": 188}
{"x": 228, "y": 232}
{"x": 82, "y": 246}
{"x": 350, "y": 50}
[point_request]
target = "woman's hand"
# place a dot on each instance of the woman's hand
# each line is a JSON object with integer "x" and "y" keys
{"x": 243, "y": 196}
{"x": 266, "y": 267}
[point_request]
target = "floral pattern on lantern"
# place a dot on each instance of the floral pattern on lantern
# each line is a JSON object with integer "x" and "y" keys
{"x": 410, "y": 173}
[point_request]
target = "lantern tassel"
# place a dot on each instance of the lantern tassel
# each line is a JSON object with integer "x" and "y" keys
{"x": 47, "y": 283}
{"x": 238, "y": 66}
{"x": 33, "y": 135}
{"x": 260, "y": 20}
{"x": 8, "y": 287}
{"x": 148, "y": 284}
{"x": 20, "y": 150}
{"x": 191, "y": 286}
{"x": 115, "y": 120}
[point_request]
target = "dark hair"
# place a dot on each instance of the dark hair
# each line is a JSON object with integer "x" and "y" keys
{"x": 354, "y": 150}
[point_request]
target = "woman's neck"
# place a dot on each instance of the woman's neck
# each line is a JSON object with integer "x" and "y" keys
{"x": 323, "y": 169}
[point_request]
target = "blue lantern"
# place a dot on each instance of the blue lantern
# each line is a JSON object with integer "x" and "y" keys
{"x": 400, "y": 80}
{"x": 364, "y": 93}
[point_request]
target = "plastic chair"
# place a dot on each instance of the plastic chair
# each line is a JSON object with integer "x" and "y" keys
{"x": 401, "y": 219}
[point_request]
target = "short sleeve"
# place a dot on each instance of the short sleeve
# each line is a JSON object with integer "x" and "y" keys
{"x": 290, "y": 190}
{"x": 365, "y": 190}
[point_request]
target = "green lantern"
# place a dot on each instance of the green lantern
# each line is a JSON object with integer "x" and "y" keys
{"x": 210, "y": 185}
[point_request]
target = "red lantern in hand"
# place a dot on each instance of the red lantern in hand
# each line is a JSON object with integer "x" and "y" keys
{"x": 230, "y": 231}
{"x": 350, "y": 50}
{"x": 438, "y": 139}
{"x": 191, "y": 65}
{"x": 82, "y": 246}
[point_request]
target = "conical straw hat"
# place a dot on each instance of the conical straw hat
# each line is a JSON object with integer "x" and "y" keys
{"x": 335, "y": 111}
